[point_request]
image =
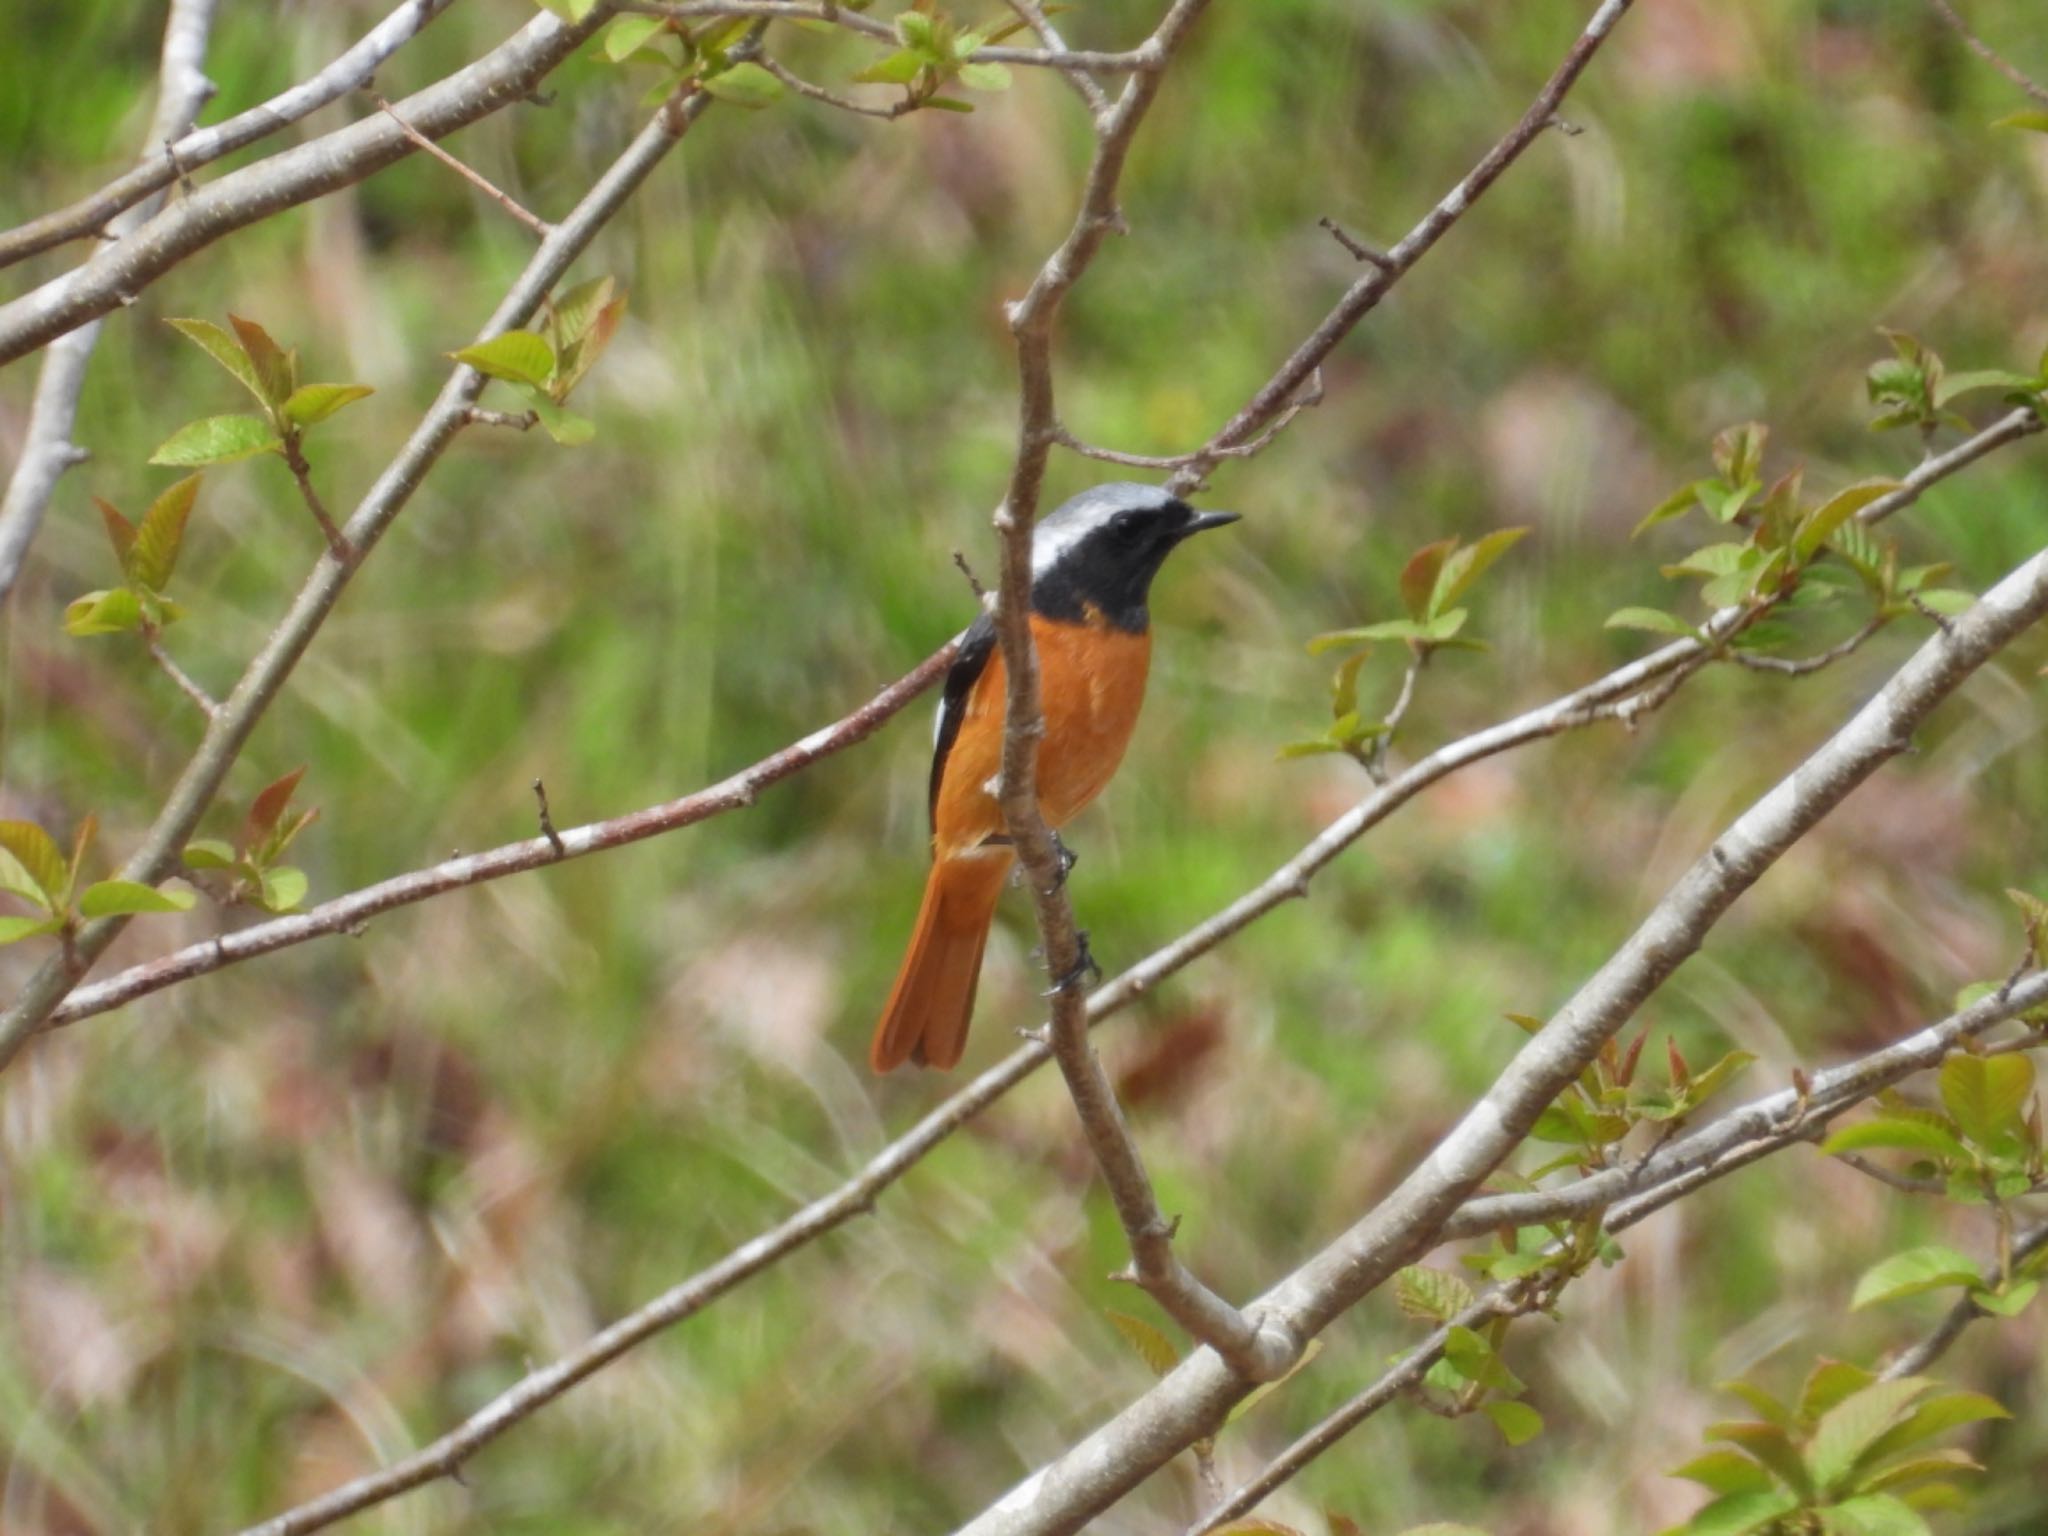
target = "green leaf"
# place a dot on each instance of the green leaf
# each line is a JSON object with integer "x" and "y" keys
{"x": 284, "y": 887}
{"x": 1433, "y": 1295}
{"x": 571, "y": 11}
{"x": 1937, "y": 1416}
{"x": 1517, "y": 1422}
{"x": 1463, "y": 567}
{"x": 1152, "y": 1346}
{"x": 275, "y": 368}
{"x": 218, "y": 440}
{"x": 1725, "y": 1472}
{"x": 1677, "y": 504}
{"x": 1321, "y": 746}
{"x": 985, "y": 77}
{"x": 1419, "y": 576}
{"x": 1949, "y": 602}
{"x": 103, "y": 613}
{"x": 208, "y": 853}
{"x": 126, "y": 898}
{"x": 1739, "y": 1514}
{"x": 311, "y": 403}
{"x": 565, "y": 427}
{"x": 120, "y": 532}
{"x": 892, "y": 69}
{"x": 162, "y": 534}
{"x": 745, "y": 84}
{"x": 624, "y": 37}
{"x": 2035, "y": 122}
{"x": 1475, "y": 1360}
{"x": 1652, "y": 620}
{"x": 1820, "y": 524}
{"x": 1876, "y": 1514}
{"x": 39, "y": 857}
{"x": 1912, "y": 1272}
{"x": 223, "y": 349}
{"x": 1710, "y": 1081}
{"x": 1956, "y": 385}
{"x": 1849, "y": 1428}
{"x": 14, "y": 929}
{"x": 1986, "y": 1094}
{"x": 2009, "y": 1302}
{"x": 268, "y": 808}
{"x": 1739, "y": 451}
{"x": 577, "y": 310}
{"x": 1830, "y": 1382}
{"x": 916, "y": 30}
{"x": 520, "y": 356}
{"x": 948, "y": 104}
{"x": 1768, "y": 1444}
{"x": 1889, "y": 1131}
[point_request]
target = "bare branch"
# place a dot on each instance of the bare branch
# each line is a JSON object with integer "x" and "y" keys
{"x": 1990, "y": 55}
{"x": 208, "y": 706}
{"x": 1807, "y": 665}
{"x": 803, "y": 87}
{"x": 475, "y": 178}
{"x": 380, "y": 506}
{"x": 302, "y": 473}
{"x": 185, "y": 152}
{"x": 119, "y": 272}
{"x": 47, "y": 450}
{"x": 1358, "y": 248}
{"x": 347, "y": 914}
{"x": 1033, "y": 16}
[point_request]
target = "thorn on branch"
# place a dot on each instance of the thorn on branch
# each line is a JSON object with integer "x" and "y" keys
{"x": 547, "y": 821}
{"x": 1940, "y": 621}
{"x": 1358, "y": 248}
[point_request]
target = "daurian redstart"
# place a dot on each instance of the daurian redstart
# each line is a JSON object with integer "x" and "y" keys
{"x": 1092, "y": 564}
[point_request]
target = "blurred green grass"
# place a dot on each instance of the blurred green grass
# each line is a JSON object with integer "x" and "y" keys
{"x": 270, "y": 1228}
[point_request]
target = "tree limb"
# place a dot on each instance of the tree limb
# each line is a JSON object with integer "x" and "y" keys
{"x": 47, "y": 450}
{"x": 117, "y": 274}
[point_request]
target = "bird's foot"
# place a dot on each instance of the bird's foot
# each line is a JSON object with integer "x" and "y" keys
{"x": 1077, "y": 974}
{"x": 1068, "y": 859}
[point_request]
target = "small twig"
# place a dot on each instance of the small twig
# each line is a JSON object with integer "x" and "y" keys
{"x": 974, "y": 581}
{"x": 1804, "y": 666}
{"x": 1990, "y": 55}
{"x": 1569, "y": 129}
{"x": 804, "y": 87}
{"x": 1310, "y": 397}
{"x": 1940, "y": 621}
{"x": 533, "y": 221}
{"x": 1357, "y": 247}
{"x": 302, "y": 472}
{"x": 517, "y": 421}
{"x": 1884, "y": 1175}
{"x": 1374, "y": 758}
{"x": 547, "y": 822}
{"x": 1913, "y": 1361}
{"x": 177, "y": 674}
{"x": 1084, "y": 85}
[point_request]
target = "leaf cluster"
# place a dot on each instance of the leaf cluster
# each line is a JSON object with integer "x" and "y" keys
{"x": 1913, "y": 387}
{"x": 35, "y": 869}
{"x": 1852, "y": 1457}
{"x": 148, "y": 554}
{"x": 1432, "y": 583}
{"x": 1471, "y": 1377}
{"x": 690, "y": 58}
{"x": 544, "y": 366}
{"x": 249, "y": 871}
{"x": 287, "y": 409}
{"x": 935, "y": 53}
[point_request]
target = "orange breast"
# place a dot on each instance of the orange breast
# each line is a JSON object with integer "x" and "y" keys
{"x": 1091, "y": 683}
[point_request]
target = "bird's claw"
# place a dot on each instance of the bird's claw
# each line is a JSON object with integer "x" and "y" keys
{"x": 1068, "y": 859}
{"x": 1077, "y": 974}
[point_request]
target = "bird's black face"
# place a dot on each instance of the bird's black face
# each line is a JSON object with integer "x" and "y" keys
{"x": 1102, "y": 549}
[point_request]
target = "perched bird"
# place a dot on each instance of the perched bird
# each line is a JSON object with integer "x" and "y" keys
{"x": 1092, "y": 564}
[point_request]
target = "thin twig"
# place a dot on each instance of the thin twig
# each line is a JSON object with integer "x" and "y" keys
{"x": 1807, "y": 665}
{"x": 202, "y": 146}
{"x": 1309, "y": 398}
{"x": 302, "y": 474}
{"x": 1990, "y": 55}
{"x": 475, "y": 178}
{"x": 1916, "y": 1359}
{"x": 208, "y": 706}
{"x": 547, "y": 820}
{"x": 1042, "y": 28}
{"x": 1357, "y": 247}
{"x": 804, "y": 87}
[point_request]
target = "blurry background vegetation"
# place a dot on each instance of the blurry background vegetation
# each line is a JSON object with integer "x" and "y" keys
{"x": 278, "y": 1225}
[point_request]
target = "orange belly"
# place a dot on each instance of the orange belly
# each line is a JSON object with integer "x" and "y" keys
{"x": 1091, "y": 681}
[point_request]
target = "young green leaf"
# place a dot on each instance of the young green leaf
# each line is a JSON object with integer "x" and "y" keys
{"x": 1463, "y": 567}
{"x": 209, "y": 853}
{"x": 745, "y": 84}
{"x": 157, "y": 542}
{"x": 1820, "y": 524}
{"x": 985, "y": 77}
{"x": 223, "y": 349}
{"x": 126, "y": 898}
{"x": 1151, "y": 1345}
{"x": 284, "y": 887}
{"x": 565, "y": 427}
{"x": 218, "y": 440}
{"x": 1910, "y": 1273}
{"x": 1849, "y": 1428}
{"x": 1739, "y": 451}
{"x": 1432, "y": 1295}
{"x": 1517, "y": 1422}
{"x": 38, "y": 855}
{"x": 1418, "y": 578}
{"x": 112, "y": 612}
{"x": 2033, "y": 122}
{"x": 275, "y": 367}
{"x": 1986, "y": 1093}
{"x": 899, "y": 68}
{"x": 520, "y": 356}
{"x": 1892, "y": 1131}
{"x": 571, "y": 11}
{"x": 625, "y": 36}
{"x": 311, "y": 403}
{"x": 120, "y": 532}
{"x": 1652, "y": 621}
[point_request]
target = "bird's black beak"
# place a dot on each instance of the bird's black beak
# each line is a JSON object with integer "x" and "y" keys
{"x": 1207, "y": 520}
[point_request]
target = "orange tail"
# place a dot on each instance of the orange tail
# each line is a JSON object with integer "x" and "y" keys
{"x": 926, "y": 1017}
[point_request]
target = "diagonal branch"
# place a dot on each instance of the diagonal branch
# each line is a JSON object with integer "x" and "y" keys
{"x": 1917, "y": 1358}
{"x": 47, "y": 450}
{"x": 117, "y": 274}
{"x": 1192, "y": 1402}
{"x": 347, "y": 914}
{"x": 266, "y": 674}
{"x": 474, "y": 177}
{"x": 184, "y": 153}
{"x": 1998, "y": 61}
